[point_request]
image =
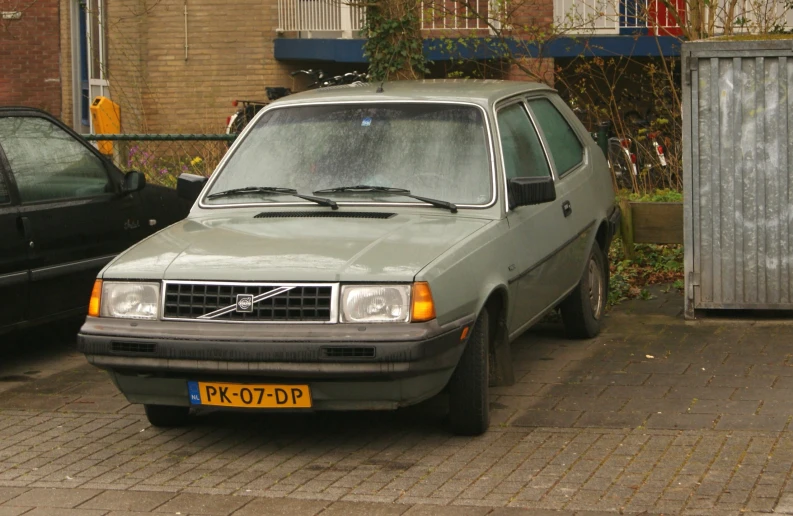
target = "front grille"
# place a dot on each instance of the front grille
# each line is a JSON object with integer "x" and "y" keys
{"x": 347, "y": 352}
{"x": 133, "y": 347}
{"x": 218, "y": 302}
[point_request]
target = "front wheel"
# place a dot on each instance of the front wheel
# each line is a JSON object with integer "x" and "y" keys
{"x": 469, "y": 410}
{"x": 165, "y": 416}
{"x": 582, "y": 311}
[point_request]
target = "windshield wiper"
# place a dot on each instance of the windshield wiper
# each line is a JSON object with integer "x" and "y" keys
{"x": 387, "y": 189}
{"x": 274, "y": 190}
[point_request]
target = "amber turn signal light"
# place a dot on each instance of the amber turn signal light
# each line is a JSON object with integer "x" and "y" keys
{"x": 423, "y": 306}
{"x": 96, "y": 297}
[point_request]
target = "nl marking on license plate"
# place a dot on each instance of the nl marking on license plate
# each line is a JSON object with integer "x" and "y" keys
{"x": 250, "y": 396}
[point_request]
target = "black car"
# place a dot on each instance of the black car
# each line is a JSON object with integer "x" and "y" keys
{"x": 65, "y": 212}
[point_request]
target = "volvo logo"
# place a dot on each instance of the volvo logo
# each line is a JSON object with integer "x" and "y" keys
{"x": 245, "y": 303}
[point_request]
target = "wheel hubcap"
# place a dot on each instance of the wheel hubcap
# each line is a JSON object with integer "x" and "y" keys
{"x": 595, "y": 289}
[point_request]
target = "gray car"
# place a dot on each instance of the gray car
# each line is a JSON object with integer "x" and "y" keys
{"x": 364, "y": 248}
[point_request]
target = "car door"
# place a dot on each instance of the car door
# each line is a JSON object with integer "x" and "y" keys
{"x": 13, "y": 257}
{"x": 535, "y": 237}
{"x": 75, "y": 218}
{"x": 574, "y": 185}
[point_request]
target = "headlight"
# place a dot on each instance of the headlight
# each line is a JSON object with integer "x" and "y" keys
{"x": 375, "y": 303}
{"x": 129, "y": 300}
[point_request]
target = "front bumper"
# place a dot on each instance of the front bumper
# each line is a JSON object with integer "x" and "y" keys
{"x": 346, "y": 366}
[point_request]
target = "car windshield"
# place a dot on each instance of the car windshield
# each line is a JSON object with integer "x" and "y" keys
{"x": 433, "y": 150}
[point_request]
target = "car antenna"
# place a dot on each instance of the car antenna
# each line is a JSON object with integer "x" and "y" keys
{"x": 380, "y": 88}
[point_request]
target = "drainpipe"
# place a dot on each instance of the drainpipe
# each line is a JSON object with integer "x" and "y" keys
{"x": 185, "y": 31}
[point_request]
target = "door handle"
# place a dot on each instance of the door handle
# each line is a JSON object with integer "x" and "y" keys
{"x": 27, "y": 230}
{"x": 567, "y": 208}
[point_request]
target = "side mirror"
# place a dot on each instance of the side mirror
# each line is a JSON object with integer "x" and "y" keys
{"x": 525, "y": 191}
{"x": 189, "y": 186}
{"x": 134, "y": 181}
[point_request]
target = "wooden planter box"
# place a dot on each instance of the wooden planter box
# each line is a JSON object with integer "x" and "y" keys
{"x": 650, "y": 223}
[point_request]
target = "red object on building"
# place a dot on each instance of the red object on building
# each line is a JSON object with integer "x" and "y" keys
{"x": 30, "y": 72}
{"x": 661, "y": 20}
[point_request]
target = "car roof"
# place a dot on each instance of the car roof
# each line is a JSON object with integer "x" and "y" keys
{"x": 484, "y": 92}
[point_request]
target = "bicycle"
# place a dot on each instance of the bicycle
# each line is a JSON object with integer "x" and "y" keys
{"x": 247, "y": 109}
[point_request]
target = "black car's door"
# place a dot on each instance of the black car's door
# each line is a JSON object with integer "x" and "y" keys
{"x": 71, "y": 205}
{"x": 13, "y": 258}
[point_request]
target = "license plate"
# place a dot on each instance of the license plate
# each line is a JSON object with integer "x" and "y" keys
{"x": 249, "y": 395}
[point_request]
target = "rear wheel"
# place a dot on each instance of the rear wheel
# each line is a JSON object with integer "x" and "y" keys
{"x": 582, "y": 311}
{"x": 469, "y": 410}
{"x": 166, "y": 416}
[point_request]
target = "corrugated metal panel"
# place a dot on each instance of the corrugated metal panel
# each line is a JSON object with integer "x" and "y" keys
{"x": 738, "y": 138}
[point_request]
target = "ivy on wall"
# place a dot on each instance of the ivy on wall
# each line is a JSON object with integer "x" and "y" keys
{"x": 394, "y": 46}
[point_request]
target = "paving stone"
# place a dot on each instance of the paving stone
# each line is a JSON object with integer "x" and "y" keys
{"x": 677, "y": 380}
{"x": 203, "y": 504}
{"x": 663, "y": 405}
{"x": 13, "y": 511}
{"x": 600, "y": 404}
{"x": 546, "y": 418}
{"x": 281, "y": 507}
{"x": 752, "y": 422}
{"x": 642, "y": 391}
{"x": 48, "y": 511}
{"x": 681, "y": 421}
{"x": 762, "y": 394}
{"x": 701, "y": 393}
{"x": 127, "y": 500}
{"x": 742, "y": 381}
{"x": 95, "y": 404}
{"x": 612, "y": 419}
{"x": 724, "y": 407}
{"x": 7, "y": 493}
{"x": 34, "y": 402}
{"x": 370, "y": 509}
{"x": 66, "y": 498}
{"x": 434, "y": 510}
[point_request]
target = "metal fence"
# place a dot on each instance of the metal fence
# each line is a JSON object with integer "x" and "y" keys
{"x": 163, "y": 157}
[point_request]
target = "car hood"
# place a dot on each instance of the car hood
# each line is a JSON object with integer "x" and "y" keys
{"x": 294, "y": 248}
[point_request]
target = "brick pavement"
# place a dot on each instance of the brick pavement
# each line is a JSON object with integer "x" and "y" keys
{"x": 657, "y": 416}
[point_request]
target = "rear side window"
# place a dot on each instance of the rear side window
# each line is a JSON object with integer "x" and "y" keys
{"x": 49, "y": 163}
{"x": 564, "y": 146}
{"x": 523, "y": 154}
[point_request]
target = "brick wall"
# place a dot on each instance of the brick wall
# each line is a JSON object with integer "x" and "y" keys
{"x": 30, "y": 56}
{"x": 162, "y": 89}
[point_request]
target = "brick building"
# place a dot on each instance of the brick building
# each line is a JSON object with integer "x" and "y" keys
{"x": 176, "y": 65}
{"x": 29, "y": 34}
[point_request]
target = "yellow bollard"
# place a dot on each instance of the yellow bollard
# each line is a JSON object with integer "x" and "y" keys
{"x": 106, "y": 116}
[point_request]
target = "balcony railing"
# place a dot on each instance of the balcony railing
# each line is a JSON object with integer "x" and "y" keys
{"x": 653, "y": 17}
{"x": 320, "y": 18}
{"x": 340, "y": 19}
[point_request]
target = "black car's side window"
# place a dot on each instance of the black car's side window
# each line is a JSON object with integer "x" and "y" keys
{"x": 5, "y": 197}
{"x": 523, "y": 153}
{"x": 564, "y": 146}
{"x": 48, "y": 163}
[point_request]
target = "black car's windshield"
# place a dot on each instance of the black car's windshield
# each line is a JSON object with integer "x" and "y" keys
{"x": 433, "y": 150}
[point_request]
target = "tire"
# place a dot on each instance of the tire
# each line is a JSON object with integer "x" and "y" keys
{"x": 469, "y": 411}
{"x": 165, "y": 416}
{"x": 582, "y": 311}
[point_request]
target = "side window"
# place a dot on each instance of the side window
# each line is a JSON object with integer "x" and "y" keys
{"x": 5, "y": 197}
{"x": 48, "y": 163}
{"x": 563, "y": 144}
{"x": 523, "y": 154}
